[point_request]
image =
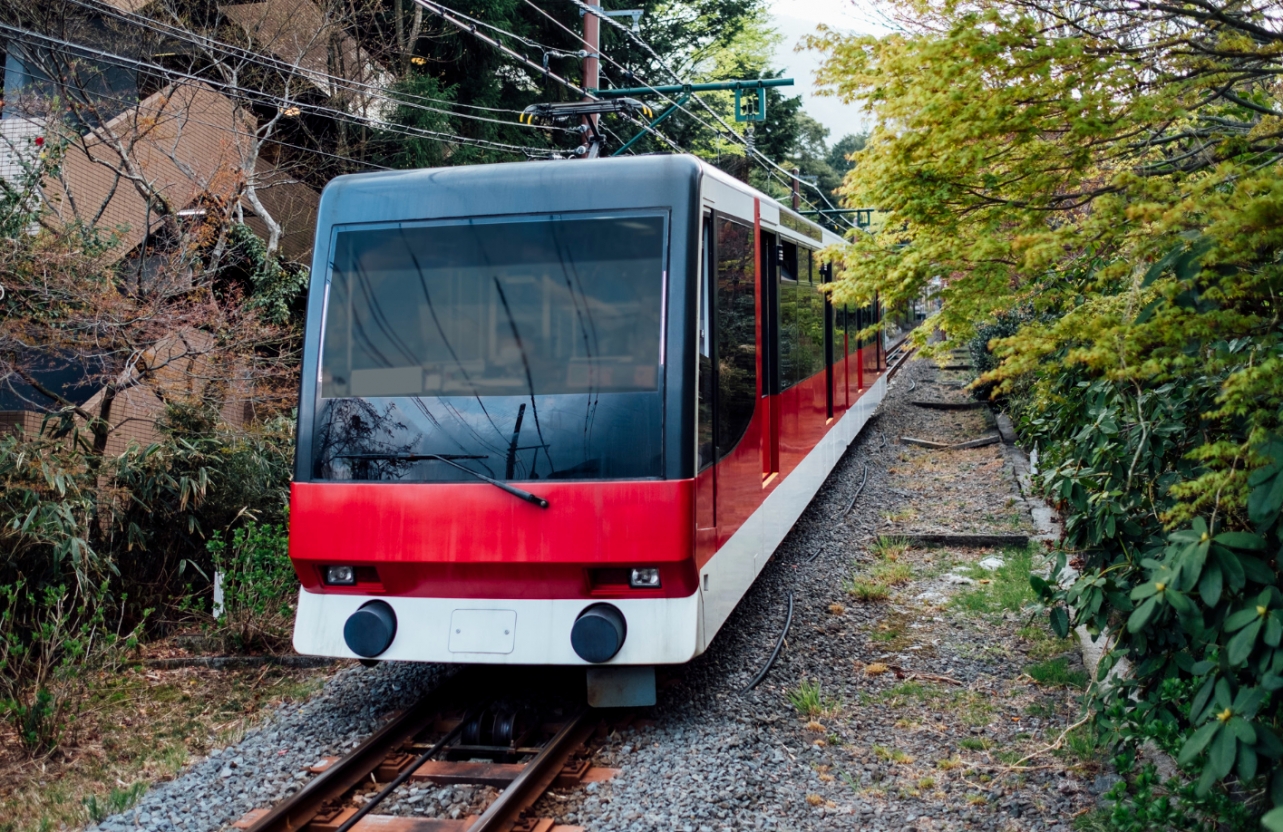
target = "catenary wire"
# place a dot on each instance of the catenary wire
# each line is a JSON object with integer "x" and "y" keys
{"x": 728, "y": 130}
{"x": 272, "y": 62}
{"x": 281, "y": 102}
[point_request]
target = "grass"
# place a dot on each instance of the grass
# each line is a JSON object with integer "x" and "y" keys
{"x": 1007, "y": 590}
{"x": 975, "y": 743}
{"x": 138, "y": 727}
{"x": 1082, "y": 746}
{"x": 893, "y": 755}
{"x": 1055, "y": 673}
{"x": 116, "y": 801}
{"x": 809, "y": 699}
{"x": 886, "y": 572}
{"x": 1042, "y": 643}
{"x": 889, "y": 548}
{"x": 867, "y": 592}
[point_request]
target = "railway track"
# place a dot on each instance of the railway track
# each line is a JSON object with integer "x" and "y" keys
{"x": 440, "y": 741}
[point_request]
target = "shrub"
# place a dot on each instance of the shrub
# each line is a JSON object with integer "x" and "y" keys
{"x": 259, "y": 587}
{"x": 91, "y": 545}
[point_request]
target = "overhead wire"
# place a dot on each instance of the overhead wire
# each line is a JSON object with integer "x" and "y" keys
{"x": 272, "y": 62}
{"x": 281, "y": 102}
{"x": 728, "y": 130}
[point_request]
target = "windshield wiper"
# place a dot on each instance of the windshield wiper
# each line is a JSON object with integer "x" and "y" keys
{"x": 449, "y": 459}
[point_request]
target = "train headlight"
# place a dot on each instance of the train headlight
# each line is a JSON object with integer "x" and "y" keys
{"x": 340, "y": 575}
{"x": 646, "y": 577}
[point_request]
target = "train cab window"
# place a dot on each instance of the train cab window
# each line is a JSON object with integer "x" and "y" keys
{"x": 736, "y": 345}
{"x": 518, "y": 348}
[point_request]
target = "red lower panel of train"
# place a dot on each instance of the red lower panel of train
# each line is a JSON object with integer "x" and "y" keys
{"x": 465, "y": 540}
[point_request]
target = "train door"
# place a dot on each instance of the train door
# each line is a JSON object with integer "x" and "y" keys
{"x": 767, "y": 267}
{"x": 737, "y": 449}
{"x": 706, "y": 471}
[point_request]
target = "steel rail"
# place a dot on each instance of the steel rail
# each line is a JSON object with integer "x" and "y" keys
{"x": 299, "y": 809}
{"x": 536, "y": 777}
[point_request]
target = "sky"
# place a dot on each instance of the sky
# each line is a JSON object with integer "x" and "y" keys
{"x": 795, "y": 19}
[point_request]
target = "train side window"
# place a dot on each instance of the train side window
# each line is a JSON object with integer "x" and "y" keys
{"x": 704, "y": 393}
{"x": 808, "y": 352}
{"x": 735, "y": 346}
{"x": 787, "y": 300}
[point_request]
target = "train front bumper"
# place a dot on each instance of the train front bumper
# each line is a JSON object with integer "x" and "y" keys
{"x": 501, "y": 631}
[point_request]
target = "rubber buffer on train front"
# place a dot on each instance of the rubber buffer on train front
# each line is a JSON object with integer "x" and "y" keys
{"x": 598, "y": 633}
{"x": 370, "y": 630}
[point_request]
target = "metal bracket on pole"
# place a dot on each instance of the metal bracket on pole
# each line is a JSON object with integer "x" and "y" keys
{"x": 676, "y": 106}
{"x": 635, "y": 14}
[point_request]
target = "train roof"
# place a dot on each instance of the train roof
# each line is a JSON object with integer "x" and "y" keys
{"x": 540, "y": 187}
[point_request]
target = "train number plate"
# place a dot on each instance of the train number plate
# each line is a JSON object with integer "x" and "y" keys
{"x": 483, "y": 631}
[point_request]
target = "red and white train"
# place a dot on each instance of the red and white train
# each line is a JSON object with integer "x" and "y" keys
{"x": 561, "y": 413}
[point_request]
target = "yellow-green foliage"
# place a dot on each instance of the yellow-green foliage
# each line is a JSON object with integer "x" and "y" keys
{"x": 1112, "y": 180}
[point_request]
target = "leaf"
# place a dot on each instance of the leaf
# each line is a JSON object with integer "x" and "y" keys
{"x": 1266, "y": 500}
{"x": 1242, "y": 729}
{"x": 1144, "y": 591}
{"x": 1201, "y": 700}
{"x": 1256, "y": 571}
{"x": 1223, "y": 694}
{"x": 1273, "y": 819}
{"x": 1240, "y": 540}
{"x": 1209, "y": 585}
{"x": 1240, "y": 619}
{"x": 1267, "y": 743}
{"x": 1039, "y": 584}
{"x": 1221, "y": 754}
{"x": 1205, "y": 782}
{"x": 1141, "y": 616}
{"x": 1232, "y": 567}
{"x": 1060, "y": 622}
{"x": 1179, "y": 602}
{"x": 1240, "y": 647}
{"x": 1273, "y": 629}
{"x": 1196, "y": 743}
{"x": 1246, "y": 763}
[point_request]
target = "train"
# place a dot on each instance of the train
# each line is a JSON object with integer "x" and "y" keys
{"x": 561, "y": 413}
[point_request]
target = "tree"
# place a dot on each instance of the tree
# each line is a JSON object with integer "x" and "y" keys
{"x": 1109, "y": 176}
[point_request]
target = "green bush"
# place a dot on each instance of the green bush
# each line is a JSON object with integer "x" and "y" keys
{"x": 90, "y": 546}
{"x": 259, "y": 587}
{"x": 1187, "y": 582}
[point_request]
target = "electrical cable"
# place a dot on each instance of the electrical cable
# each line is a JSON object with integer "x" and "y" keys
{"x": 856, "y": 495}
{"x": 446, "y": 14}
{"x": 729, "y": 131}
{"x": 272, "y": 62}
{"x": 775, "y": 654}
{"x": 282, "y": 103}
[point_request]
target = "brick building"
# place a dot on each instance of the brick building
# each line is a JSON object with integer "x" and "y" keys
{"x": 138, "y": 144}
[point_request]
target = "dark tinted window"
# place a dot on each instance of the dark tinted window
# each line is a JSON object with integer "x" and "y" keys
{"x": 539, "y": 307}
{"x": 801, "y": 328}
{"x": 518, "y": 349}
{"x": 736, "y": 347}
{"x": 704, "y": 425}
{"x": 787, "y": 293}
{"x": 810, "y": 321}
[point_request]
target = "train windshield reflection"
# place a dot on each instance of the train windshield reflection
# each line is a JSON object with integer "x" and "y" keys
{"x": 528, "y": 345}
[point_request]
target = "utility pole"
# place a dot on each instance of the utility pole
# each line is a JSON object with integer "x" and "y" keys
{"x": 797, "y": 189}
{"x": 592, "y": 60}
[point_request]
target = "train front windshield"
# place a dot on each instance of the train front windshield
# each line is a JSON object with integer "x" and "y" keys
{"x": 521, "y": 349}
